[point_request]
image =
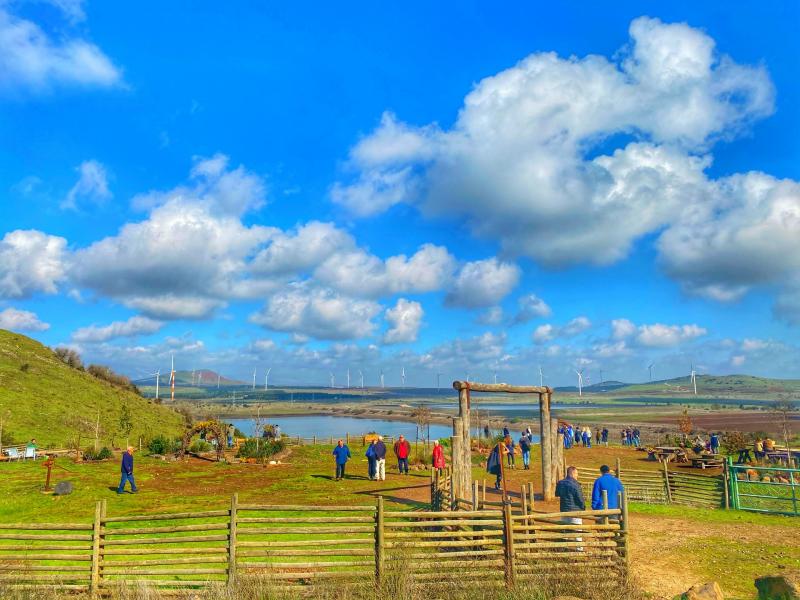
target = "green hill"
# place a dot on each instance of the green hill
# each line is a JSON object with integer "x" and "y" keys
{"x": 42, "y": 397}
{"x": 716, "y": 384}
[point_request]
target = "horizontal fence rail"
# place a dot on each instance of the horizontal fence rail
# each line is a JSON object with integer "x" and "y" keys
{"x": 295, "y": 547}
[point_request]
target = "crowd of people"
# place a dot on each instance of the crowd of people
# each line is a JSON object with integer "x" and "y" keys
{"x": 376, "y": 457}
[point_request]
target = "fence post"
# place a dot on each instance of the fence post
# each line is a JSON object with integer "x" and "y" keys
{"x": 725, "y": 476}
{"x": 523, "y": 499}
{"x": 619, "y": 470}
{"x": 348, "y": 438}
{"x": 96, "y": 531}
{"x": 666, "y": 483}
{"x": 530, "y": 496}
{"x": 379, "y": 541}
{"x": 475, "y": 495}
{"x": 605, "y": 505}
{"x": 315, "y": 440}
{"x": 232, "y": 540}
{"x": 625, "y": 530}
{"x": 508, "y": 542}
{"x": 483, "y": 492}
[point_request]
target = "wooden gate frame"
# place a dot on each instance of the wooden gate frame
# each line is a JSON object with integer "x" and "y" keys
{"x": 551, "y": 441}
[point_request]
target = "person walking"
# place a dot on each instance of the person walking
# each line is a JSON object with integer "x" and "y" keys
{"x": 127, "y": 472}
{"x": 609, "y": 484}
{"x": 438, "y": 457}
{"x": 494, "y": 464}
{"x": 380, "y": 460}
{"x": 402, "y": 450}
{"x": 570, "y": 496}
{"x": 597, "y": 436}
{"x": 511, "y": 451}
{"x": 341, "y": 454}
{"x": 231, "y": 433}
{"x": 604, "y": 436}
{"x": 714, "y": 443}
{"x": 525, "y": 449}
{"x": 371, "y": 460}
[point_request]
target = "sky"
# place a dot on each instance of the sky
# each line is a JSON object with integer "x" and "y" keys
{"x": 441, "y": 188}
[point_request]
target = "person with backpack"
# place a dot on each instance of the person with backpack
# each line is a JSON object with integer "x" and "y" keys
{"x": 341, "y": 455}
{"x": 525, "y": 449}
{"x": 402, "y": 450}
{"x": 371, "y": 460}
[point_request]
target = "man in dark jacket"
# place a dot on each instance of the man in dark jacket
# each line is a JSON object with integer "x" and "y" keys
{"x": 127, "y": 472}
{"x": 380, "y": 459}
{"x": 571, "y": 495}
{"x": 341, "y": 453}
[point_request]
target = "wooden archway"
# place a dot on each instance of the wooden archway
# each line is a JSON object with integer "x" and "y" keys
{"x": 551, "y": 442}
{"x": 212, "y": 426}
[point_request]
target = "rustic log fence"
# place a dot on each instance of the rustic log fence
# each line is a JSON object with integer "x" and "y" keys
{"x": 295, "y": 547}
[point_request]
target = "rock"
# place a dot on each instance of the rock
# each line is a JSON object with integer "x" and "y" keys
{"x": 785, "y": 586}
{"x": 703, "y": 591}
{"x": 63, "y": 488}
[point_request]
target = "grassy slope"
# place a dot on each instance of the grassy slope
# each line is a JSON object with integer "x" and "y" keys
{"x": 38, "y": 402}
{"x": 745, "y": 384}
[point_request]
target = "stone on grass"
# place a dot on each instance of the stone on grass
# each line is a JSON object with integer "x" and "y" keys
{"x": 785, "y": 586}
{"x": 63, "y": 488}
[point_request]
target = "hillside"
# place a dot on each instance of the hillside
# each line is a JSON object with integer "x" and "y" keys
{"x": 716, "y": 384}
{"x": 40, "y": 395}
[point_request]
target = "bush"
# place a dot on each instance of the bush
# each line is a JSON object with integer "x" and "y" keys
{"x": 69, "y": 357}
{"x": 106, "y": 374}
{"x": 24, "y": 367}
{"x": 253, "y": 448}
{"x": 163, "y": 445}
{"x": 102, "y": 454}
{"x": 200, "y": 446}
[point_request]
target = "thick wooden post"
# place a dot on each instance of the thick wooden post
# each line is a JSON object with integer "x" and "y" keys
{"x": 483, "y": 492}
{"x": 619, "y": 470}
{"x": 555, "y": 452}
{"x": 530, "y": 496}
{"x": 379, "y": 541}
{"x": 548, "y": 487}
{"x": 462, "y": 472}
{"x": 456, "y": 443}
{"x": 97, "y": 530}
{"x": 232, "y": 540}
{"x": 726, "y": 483}
{"x": 475, "y": 496}
{"x": 605, "y": 506}
{"x": 523, "y": 499}
{"x": 508, "y": 543}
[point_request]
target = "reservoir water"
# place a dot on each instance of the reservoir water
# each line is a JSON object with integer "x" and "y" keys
{"x": 325, "y": 426}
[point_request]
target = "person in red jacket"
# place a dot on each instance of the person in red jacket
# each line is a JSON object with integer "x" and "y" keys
{"x": 438, "y": 456}
{"x": 402, "y": 450}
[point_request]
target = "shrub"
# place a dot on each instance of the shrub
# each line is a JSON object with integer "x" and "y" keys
{"x": 200, "y": 446}
{"x": 163, "y": 445}
{"x": 92, "y": 454}
{"x": 24, "y": 367}
{"x": 106, "y": 374}
{"x": 253, "y": 448}
{"x": 69, "y": 357}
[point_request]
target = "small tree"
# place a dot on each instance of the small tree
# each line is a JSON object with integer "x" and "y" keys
{"x": 685, "y": 425}
{"x": 422, "y": 417}
{"x": 125, "y": 424}
{"x": 69, "y": 357}
{"x": 785, "y": 408}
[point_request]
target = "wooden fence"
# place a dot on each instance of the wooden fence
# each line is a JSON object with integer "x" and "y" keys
{"x": 668, "y": 487}
{"x": 296, "y": 547}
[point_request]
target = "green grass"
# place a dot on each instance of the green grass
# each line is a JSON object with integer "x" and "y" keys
{"x": 39, "y": 394}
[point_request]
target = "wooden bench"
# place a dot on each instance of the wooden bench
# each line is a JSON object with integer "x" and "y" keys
{"x": 706, "y": 462}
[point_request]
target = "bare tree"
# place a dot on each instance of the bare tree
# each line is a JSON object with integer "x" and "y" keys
{"x": 785, "y": 408}
{"x": 685, "y": 425}
{"x": 422, "y": 417}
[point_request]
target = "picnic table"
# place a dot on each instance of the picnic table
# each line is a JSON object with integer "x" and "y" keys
{"x": 706, "y": 461}
{"x": 667, "y": 454}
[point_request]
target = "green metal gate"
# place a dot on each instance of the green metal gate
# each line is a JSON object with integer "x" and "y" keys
{"x": 772, "y": 489}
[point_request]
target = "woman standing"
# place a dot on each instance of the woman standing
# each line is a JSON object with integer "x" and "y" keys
{"x": 438, "y": 456}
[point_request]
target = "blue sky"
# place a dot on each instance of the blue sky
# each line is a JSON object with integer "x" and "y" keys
{"x": 449, "y": 188}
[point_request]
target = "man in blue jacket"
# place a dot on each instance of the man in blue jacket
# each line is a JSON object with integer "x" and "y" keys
{"x": 608, "y": 483}
{"x": 127, "y": 472}
{"x": 341, "y": 453}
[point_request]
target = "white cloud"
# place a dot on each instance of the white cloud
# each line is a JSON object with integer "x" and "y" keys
{"x": 482, "y": 283}
{"x": 30, "y": 262}
{"x": 301, "y": 250}
{"x": 622, "y": 328}
{"x": 491, "y": 316}
{"x": 544, "y": 333}
{"x": 547, "y": 332}
{"x": 660, "y": 335}
{"x": 318, "y": 313}
{"x": 91, "y": 185}
{"x": 134, "y": 326}
{"x": 405, "y": 319}
{"x": 611, "y": 350}
{"x": 531, "y": 307}
{"x": 519, "y": 165}
{"x": 30, "y": 59}
{"x": 738, "y": 360}
{"x": 753, "y": 344}
{"x": 21, "y": 320}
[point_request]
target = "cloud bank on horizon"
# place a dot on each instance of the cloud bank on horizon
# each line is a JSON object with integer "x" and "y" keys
{"x": 554, "y": 165}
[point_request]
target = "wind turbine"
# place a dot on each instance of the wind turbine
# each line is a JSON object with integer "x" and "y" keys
{"x": 541, "y": 377}
{"x": 650, "y": 370}
{"x": 266, "y": 379}
{"x": 254, "y": 380}
{"x": 382, "y": 386}
{"x": 333, "y": 380}
{"x": 694, "y": 380}
{"x": 172, "y": 378}
{"x": 158, "y": 376}
{"x": 580, "y": 382}
{"x": 495, "y": 373}
{"x": 218, "y": 378}
{"x": 192, "y": 376}
{"x": 361, "y": 377}
{"x": 601, "y": 376}
{"x": 438, "y": 376}
{"x": 348, "y": 378}
{"x": 403, "y": 377}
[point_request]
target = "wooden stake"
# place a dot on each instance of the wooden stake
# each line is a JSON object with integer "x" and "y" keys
{"x": 232, "y": 540}
{"x": 98, "y": 523}
{"x": 379, "y": 541}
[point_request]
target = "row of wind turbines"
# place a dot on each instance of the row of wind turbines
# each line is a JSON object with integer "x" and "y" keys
{"x": 692, "y": 377}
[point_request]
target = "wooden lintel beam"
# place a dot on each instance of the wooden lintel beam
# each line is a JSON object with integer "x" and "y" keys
{"x": 501, "y": 387}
